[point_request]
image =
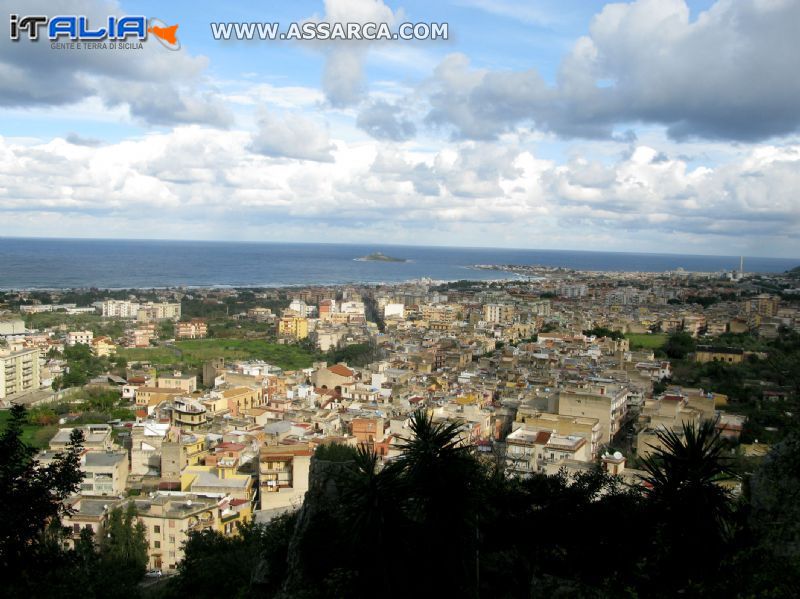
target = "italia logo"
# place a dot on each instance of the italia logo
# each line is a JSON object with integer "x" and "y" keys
{"x": 77, "y": 28}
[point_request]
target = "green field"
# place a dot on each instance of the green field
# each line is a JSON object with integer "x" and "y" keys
{"x": 35, "y": 436}
{"x": 646, "y": 341}
{"x": 195, "y": 352}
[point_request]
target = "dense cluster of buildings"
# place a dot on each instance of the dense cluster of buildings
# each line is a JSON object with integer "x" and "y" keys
{"x": 512, "y": 363}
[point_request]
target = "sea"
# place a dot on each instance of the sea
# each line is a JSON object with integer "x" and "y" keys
{"x": 28, "y": 263}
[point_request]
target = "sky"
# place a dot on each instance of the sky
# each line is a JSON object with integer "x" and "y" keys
{"x": 646, "y": 126}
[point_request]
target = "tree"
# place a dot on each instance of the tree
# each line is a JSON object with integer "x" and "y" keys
{"x": 679, "y": 345}
{"x": 123, "y": 544}
{"x": 443, "y": 480}
{"x": 373, "y": 513}
{"x": 695, "y": 511}
{"x": 31, "y": 496}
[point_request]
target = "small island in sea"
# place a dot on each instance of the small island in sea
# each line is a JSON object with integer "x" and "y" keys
{"x": 380, "y": 257}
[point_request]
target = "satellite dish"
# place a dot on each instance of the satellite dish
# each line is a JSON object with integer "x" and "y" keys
{"x": 189, "y": 502}
{"x": 617, "y": 455}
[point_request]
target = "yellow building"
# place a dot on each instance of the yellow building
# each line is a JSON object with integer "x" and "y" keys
{"x": 188, "y": 414}
{"x": 709, "y": 353}
{"x": 183, "y": 382}
{"x": 608, "y": 403}
{"x": 221, "y": 478}
{"x": 169, "y": 519}
{"x": 293, "y": 327}
{"x": 581, "y": 426}
{"x": 103, "y": 347}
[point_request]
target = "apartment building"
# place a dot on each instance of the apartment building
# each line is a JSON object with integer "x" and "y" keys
{"x": 154, "y": 312}
{"x": 293, "y": 327}
{"x": 283, "y": 475}
{"x": 498, "y": 313}
{"x": 19, "y": 372}
{"x": 573, "y": 291}
{"x": 188, "y": 414}
{"x": 119, "y": 308}
{"x": 197, "y": 328}
{"x": 444, "y": 313}
{"x": 104, "y": 473}
{"x": 96, "y": 437}
{"x": 671, "y": 411}
{"x": 530, "y": 451}
{"x": 179, "y": 451}
{"x": 80, "y": 337}
{"x": 170, "y": 518}
{"x": 580, "y": 426}
{"x": 103, "y": 346}
{"x": 607, "y": 402}
{"x": 141, "y": 336}
{"x": 303, "y": 309}
{"x": 184, "y": 382}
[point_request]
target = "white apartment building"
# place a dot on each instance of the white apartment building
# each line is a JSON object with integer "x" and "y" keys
{"x": 119, "y": 308}
{"x": 498, "y": 313}
{"x": 19, "y": 372}
{"x": 572, "y": 291}
{"x": 79, "y": 337}
{"x": 302, "y": 308}
{"x": 151, "y": 312}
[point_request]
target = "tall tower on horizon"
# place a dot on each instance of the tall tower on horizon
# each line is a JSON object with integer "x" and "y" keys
{"x": 741, "y": 265}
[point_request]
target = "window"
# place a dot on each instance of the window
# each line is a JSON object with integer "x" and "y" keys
{"x": 157, "y": 529}
{"x": 172, "y": 523}
{"x": 172, "y": 539}
{"x": 157, "y": 544}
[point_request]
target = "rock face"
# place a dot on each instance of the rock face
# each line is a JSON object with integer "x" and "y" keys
{"x": 315, "y": 519}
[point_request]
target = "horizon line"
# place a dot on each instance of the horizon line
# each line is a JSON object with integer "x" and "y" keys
{"x": 388, "y": 244}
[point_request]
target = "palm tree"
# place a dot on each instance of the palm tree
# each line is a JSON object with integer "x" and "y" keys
{"x": 443, "y": 482}
{"x": 689, "y": 464}
{"x": 372, "y": 499}
{"x": 693, "y": 511}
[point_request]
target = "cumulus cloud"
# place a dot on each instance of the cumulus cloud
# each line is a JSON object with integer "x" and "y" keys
{"x": 468, "y": 193}
{"x": 648, "y": 191}
{"x": 292, "y": 136}
{"x": 157, "y": 86}
{"x": 728, "y": 74}
{"x": 343, "y": 78}
{"x": 384, "y": 120}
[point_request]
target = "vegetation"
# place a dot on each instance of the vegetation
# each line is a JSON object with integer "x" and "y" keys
{"x": 467, "y": 528}
{"x": 679, "y": 345}
{"x": 110, "y": 327}
{"x": 82, "y": 365}
{"x": 88, "y": 406}
{"x": 193, "y": 353}
{"x": 646, "y": 340}
{"x": 745, "y": 383}
{"x": 471, "y": 531}
{"x": 358, "y": 354}
{"x": 604, "y": 332}
{"x": 33, "y": 558}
